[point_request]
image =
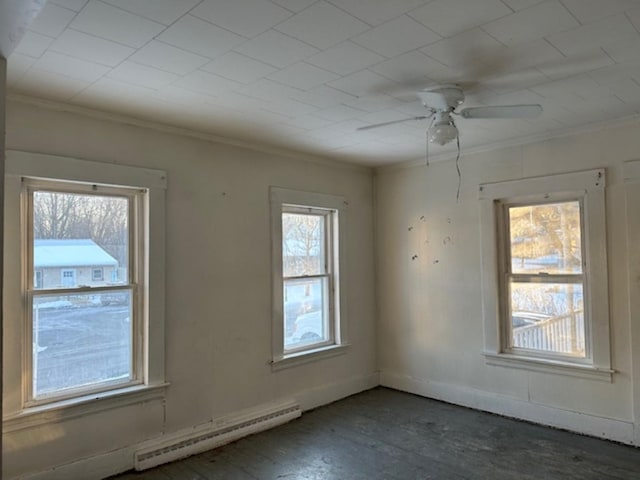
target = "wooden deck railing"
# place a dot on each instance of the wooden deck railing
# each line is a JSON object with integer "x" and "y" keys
{"x": 562, "y": 334}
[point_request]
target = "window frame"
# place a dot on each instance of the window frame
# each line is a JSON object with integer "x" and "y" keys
{"x": 284, "y": 200}
{"x": 136, "y": 277}
{"x": 19, "y": 412}
{"x": 588, "y": 187}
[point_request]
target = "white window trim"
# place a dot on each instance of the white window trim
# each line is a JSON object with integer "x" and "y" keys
{"x": 590, "y": 186}
{"x": 278, "y": 198}
{"x": 24, "y": 164}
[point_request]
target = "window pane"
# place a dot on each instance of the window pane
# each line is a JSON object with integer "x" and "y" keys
{"x": 548, "y": 317}
{"x": 546, "y": 238}
{"x": 76, "y": 236}
{"x": 303, "y": 247}
{"x": 306, "y": 312}
{"x": 81, "y": 340}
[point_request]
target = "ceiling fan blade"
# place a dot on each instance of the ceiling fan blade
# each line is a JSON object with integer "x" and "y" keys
{"x": 376, "y": 125}
{"x": 502, "y": 111}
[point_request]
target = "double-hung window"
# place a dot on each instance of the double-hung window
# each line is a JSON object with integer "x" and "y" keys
{"x": 84, "y": 337}
{"x": 307, "y": 253}
{"x": 545, "y": 274}
{"x": 84, "y": 249}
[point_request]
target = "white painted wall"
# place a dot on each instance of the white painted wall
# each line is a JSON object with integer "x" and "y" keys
{"x": 218, "y": 304}
{"x": 430, "y": 308}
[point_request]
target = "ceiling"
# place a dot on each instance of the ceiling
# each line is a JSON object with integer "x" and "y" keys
{"x": 303, "y": 75}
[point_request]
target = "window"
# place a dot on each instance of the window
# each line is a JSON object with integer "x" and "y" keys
{"x": 71, "y": 335}
{"x": 543, "y": 280}
{"x": 307, "y": 252}
{"x": 544, "y": 274}
{"x": 82, "y": 339}
{"x": 97, "y": 275}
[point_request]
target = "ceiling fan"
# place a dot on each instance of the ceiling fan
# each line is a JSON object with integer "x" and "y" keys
{"x": 442, "y": 101}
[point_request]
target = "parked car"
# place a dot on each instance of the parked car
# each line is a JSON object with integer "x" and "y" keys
{"x": 308, "y": 328}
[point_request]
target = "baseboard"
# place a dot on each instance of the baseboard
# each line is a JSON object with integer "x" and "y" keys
{"x": 607, "y": 428}
{"x": 324, "y": 394}
{"x": 223, "y": 430}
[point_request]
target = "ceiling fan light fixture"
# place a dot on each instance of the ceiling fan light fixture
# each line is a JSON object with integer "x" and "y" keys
{"x": 443, "y": 131}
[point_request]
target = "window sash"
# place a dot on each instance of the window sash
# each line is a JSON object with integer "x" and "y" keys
{"x": 135, "y": 249}
{"x": 329, "y": 217}
{"x": 542, "y": 277}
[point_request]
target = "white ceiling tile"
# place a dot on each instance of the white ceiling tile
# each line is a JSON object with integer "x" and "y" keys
{"x": 593, "y": 35}
{"x": 397, "y": 36}
{"x": 521, "y": 4}
{"x": 448, "y": 17}
{"x": 290, "y": 108}
{"x": 161, "y": 11}
{"x": 526, "y": 55}
{"x": 75, "y": 5}
{"x": 269, "y": 91}
{"x": 142, "y": 75}
{"x": 17, "y": 66}
{"x": 238, "y": 67}
{"x": 169, "y": 58}
{"x": 345, "y": 58}
{"x": 71, "y": 67}
{"x": 614, "y": 74}
{"x": 276, "y": 49}
{"x": 33, "y": 44}
{"x": 375, "y": 13}
{"x": 308, "y": 121}
{"x": 52, "y": 20}
{"x": 414, "y": 66}
{"x": 514, "y": 81}
{"x": 471, "y": 48}
{"x": 576, "y": 64}
{"x": 624, "y": 51}
{"x": 112, "y": 23}
{"x": 294, "y": 5}
{"x": 200, "y": 37}
{"x": 634, "y": 16}
{"x": 339, "y": 113}
{"x": 244, "y": 17}
{"x": 362, "y": 83}
{"x": 322, "y": 25}
{"x": 322, "y": 96}
{"x": 303, "y": 76}
{"x": 589, "y": 10}
{"x": 88, "y": 47}
{"x": 49, "y": 85}
{"x": 374, "y": 103}
{"x": 207, "y": 83}
{"x": 532, "y": 23}
{"x": 566, "y": 90}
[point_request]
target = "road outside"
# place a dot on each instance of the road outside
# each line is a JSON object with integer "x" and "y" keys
{"x": 80, "y": 345}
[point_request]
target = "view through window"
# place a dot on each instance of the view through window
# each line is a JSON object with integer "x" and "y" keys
{"x": 82, "y": 290}
{"x": 306, "y": 265}
{"x": 545, "y": 278}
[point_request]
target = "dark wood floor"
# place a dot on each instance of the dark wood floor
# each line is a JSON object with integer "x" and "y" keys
{"x": 385, "y": 434}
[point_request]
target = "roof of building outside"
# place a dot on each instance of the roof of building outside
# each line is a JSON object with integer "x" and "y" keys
{"x": 70, "y": 253}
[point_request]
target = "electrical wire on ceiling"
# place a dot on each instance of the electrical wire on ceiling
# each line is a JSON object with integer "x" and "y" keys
{"x": 458, "y": 168}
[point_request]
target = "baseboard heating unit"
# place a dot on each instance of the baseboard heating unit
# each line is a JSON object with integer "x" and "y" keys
{"x": 214, "y": 434}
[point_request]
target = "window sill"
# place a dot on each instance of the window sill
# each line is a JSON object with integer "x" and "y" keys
{"x": 545, "y": 365}
{"x": 63, "y": 410}
{"x": 300, "y": 358}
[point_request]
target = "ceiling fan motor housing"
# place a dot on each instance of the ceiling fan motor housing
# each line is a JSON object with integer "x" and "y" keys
{"x": 442, "y": 97}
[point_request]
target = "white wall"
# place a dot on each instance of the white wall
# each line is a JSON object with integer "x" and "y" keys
{"x": 218, "y": 304}
{"x": 430, "y": 318}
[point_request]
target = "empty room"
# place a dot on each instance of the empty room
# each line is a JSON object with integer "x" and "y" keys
{"x": 320, "y": 239}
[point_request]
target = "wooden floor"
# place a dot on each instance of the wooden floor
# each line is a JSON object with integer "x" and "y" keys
{"x": 385, "y": 434}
